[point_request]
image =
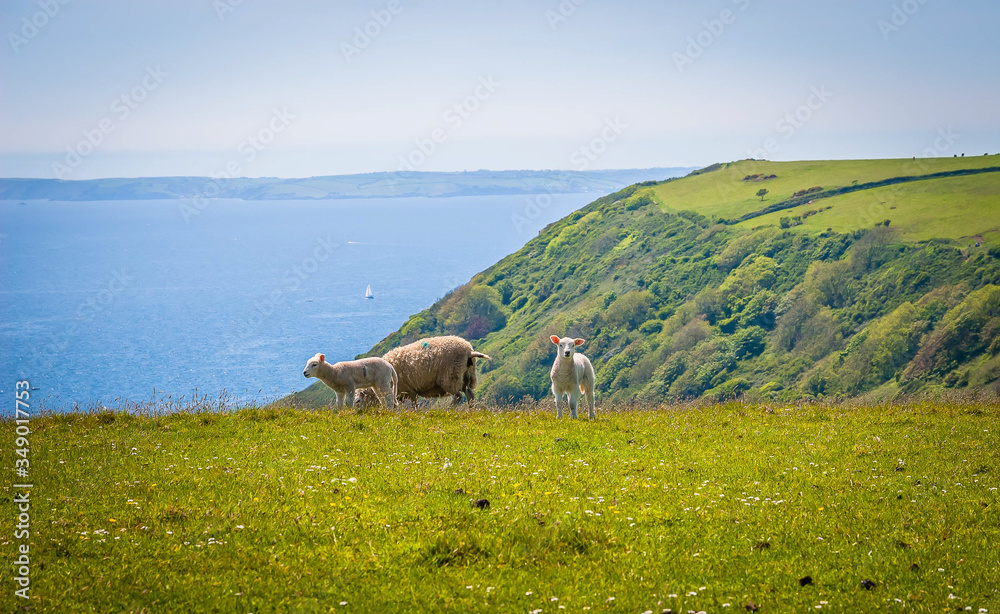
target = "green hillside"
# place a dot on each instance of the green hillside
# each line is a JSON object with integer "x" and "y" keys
{"x": 678, "y": 299}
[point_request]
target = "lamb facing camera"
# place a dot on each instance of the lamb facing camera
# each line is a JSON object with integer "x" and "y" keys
{"x": 571, "y": 374}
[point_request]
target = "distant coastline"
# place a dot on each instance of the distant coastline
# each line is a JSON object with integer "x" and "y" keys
{"x": 367, "y": 185}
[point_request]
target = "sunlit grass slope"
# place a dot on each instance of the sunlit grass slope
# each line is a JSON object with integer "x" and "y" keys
{"x": 724, "y": 193}
{"x": 949, "y": 208}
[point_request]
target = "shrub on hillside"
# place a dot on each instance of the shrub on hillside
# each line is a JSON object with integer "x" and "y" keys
{"x": 967, "y": 329}
{"x": 473, "y": 312}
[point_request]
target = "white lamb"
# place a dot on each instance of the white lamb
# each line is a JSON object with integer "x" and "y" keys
{"x": 350, "y": 375}
{"x": 571, "y": 375}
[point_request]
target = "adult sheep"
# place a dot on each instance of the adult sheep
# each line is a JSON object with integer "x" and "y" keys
{"x": 433, "y": 367}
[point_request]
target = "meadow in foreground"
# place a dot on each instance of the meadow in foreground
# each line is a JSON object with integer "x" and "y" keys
{"x": 714, "y": 508}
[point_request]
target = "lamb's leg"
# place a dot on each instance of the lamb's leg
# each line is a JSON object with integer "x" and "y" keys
{"x": 388, "y": 398}
{"x": 574, "y": 399}
{"x": 590, "y": 399}
{"x": 559, "y": 402}
{"x": 349, "y": 398}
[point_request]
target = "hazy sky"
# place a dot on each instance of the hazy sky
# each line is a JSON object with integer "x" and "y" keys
{"x": 261, "y": 88}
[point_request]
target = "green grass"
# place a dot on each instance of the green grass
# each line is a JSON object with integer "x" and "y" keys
{"x": 643, "y": 510}
{"x": 948, "y": 208}
{"x": 723, "y": 193}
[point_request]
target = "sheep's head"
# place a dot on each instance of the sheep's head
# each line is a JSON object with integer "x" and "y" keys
{"x": 567, "y": 345}
{"x": 313, "y": 364}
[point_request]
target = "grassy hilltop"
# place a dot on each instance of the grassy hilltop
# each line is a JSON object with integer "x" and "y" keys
{"x": 844, "y": 278}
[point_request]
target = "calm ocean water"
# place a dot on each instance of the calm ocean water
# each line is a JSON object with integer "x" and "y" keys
{"x": 126, "y": 300}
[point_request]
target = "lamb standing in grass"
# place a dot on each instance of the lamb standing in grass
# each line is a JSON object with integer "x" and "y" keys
{"x": 350, "y": 375}
{"x": 571, "y": 375}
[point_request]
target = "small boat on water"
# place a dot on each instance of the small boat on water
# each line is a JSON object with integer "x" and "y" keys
{"x": 368, "y": 292}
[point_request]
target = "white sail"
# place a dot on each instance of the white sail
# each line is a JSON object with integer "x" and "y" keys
{"x": 368, "y": 292}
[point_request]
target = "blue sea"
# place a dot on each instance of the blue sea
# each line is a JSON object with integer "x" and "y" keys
{"x": 134, "y": 300}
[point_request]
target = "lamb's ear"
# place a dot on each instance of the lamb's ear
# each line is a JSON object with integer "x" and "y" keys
{"x": 322, "y": 357}
{"x": 578, "y": 342}
{"x": 554, "y": 339}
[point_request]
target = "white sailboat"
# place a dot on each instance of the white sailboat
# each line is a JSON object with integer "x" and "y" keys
{"x": 368, "y": 292}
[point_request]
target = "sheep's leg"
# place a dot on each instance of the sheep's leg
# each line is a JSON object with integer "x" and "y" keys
{"x": 456, "y": 399}
{"x": 340, "y": 399}
{"x": 470, "y": 395}
{"x": 574, "y": 399}
{"x": 559, "y": 402}
{"x": 590, "y": 400}
{"x": 349, "y": 398}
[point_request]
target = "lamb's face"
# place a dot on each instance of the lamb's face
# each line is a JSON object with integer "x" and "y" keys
{"x": 567, "y": 345}
{"x": 313, "y": 365}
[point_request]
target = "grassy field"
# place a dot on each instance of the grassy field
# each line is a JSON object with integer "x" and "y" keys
{"x": 920, "y": 205}
{"x": 682, "y": 509}
{"x": 949, "y": 208}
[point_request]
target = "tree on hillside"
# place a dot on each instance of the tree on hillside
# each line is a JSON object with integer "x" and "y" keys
{"x": 762, "y": 192}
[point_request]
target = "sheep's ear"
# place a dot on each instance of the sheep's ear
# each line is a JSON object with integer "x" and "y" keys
{"x": 322, "y": 357}
{"x": 578, "y": 342}
{"x": 554, "y": 339}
